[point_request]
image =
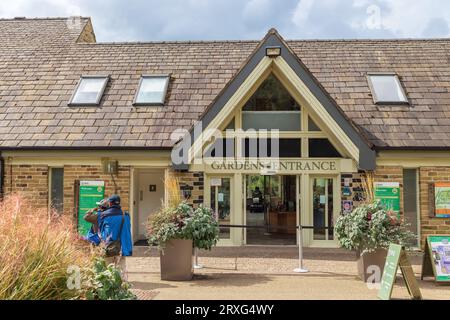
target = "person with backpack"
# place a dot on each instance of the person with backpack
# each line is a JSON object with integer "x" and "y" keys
{"x": 115, "y": 232}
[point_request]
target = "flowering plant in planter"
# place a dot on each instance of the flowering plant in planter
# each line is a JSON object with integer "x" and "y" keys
{"x": 370, "y": 227}
{"x": 183, "y": 222}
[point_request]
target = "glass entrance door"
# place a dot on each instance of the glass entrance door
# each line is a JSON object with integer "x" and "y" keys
{"x": 323, "y": 207}
{"x": 220, "y": 192}
{"x": 271, "y": 210}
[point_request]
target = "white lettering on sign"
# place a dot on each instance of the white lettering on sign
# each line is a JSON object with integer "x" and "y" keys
{"x": 92, "y": 183}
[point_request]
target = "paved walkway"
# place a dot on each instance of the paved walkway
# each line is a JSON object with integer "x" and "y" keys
{"x": 255, "y": 272}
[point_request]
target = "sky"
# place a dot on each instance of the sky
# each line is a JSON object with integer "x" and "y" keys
{"x": 156, "y": 20}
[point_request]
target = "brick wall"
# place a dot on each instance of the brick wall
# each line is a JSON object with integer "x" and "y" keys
{"x": 88, "y": 172}
{"x": 391, "y": 174}
{"x": 32, "y": 182}
{"x": 430, "y": 226}
{"x": 193, "y": 181}
{"x": 29, "y": 180}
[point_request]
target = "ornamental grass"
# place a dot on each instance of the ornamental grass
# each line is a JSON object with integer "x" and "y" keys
{"x": 36, "y": 249}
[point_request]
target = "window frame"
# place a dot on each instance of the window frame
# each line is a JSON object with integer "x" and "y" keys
{"x": 375, "y": 98}
{"x": 50, "y": 187}
{"x": 164, "y": 96}
{"x": 105, "y": 77}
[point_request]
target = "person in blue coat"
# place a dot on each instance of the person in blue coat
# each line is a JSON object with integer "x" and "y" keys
{"x": 109, "y": 223}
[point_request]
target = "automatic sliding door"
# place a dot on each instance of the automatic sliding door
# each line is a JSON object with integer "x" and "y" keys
{"x": 323, "y": 208}
{"x": 271, "y": 211}
{"x": 220, "y": 203}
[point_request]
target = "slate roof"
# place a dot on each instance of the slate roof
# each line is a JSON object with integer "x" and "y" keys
{"x": 42, "y": 60}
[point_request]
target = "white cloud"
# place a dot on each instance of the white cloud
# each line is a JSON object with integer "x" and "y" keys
{"x": 116, "y": 20}
{"x": 410, "y": 18}
{"x": 301, "y": 12}
{"x": 404, "y": 18}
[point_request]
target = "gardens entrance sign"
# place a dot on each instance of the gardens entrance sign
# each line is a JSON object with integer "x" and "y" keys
{"x": 397, "y": 257}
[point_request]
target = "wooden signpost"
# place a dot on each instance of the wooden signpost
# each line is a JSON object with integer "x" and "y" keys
{"x": 436, "y": 260}
{"x": 397, "y": 257}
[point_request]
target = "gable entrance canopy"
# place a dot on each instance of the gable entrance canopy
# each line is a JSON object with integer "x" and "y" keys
{"x": 300, "y": 83}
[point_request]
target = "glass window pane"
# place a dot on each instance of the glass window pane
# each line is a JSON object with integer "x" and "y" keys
{"x": 410, "y": 202}
{"x": 271, "y": 96}
{"x": 231, "y": 125}
{"x": 57, "y": 189}
{"x": 287, "y": 148}
{"x": 220, "y": 148}
{"x": 283, "y": 121}
{"x": 319, "y": 208}
{"x": 323, "y": 209}
{"x": 387, "y": 88}
{"x": 322, "y": 148}
{"x": 89, "y": 90}
{"x": 312, "y": 126}
{"x": 330, "y": 220}
{"x": 220, "y": 204}
{"x": 152, "y": 90}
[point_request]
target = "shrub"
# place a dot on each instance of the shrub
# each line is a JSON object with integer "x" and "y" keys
{"x": 371, "y": 226}
{"x": 203, "y": 227}
{"x": 105, "y": 283}
{"x": 183, "y": 222}
{"x": 36, "y": 249}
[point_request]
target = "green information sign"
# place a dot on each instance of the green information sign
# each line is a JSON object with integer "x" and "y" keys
{"x": 397, "y": 257}
{"x": 389, "y": 195}
{"x": 436, "y": 261}
{"x": 389, "y": 272}
{"x": 89, "y": 193}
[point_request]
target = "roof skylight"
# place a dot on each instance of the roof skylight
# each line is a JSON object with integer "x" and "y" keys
{"x": 89, "y": 90}
{"x": 152, "y": 90}
{"x": 386, "y": 88}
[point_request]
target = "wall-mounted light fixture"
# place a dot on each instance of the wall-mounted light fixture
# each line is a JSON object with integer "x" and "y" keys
{"x": 273, "y": 52}
{"x": 186, "y": 191}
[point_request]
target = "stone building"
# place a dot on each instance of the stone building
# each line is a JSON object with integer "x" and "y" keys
{"x": 305, "y": 124}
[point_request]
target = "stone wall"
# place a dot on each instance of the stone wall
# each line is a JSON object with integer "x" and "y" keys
{"x": 430, "y": 225}
{"x": 192, "y": 181}
{"x": 119, "y": 184}
{"x": 32, "y": 182}
{"x": 29, "y": 180}
{"x": 427, "y": 176}
{"x": 87, "y": 35}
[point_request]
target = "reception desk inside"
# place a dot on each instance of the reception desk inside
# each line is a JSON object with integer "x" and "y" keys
{"x": 282, "y": 221}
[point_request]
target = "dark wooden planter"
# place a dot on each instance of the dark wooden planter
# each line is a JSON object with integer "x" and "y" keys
{"x": 375, "y": 258}
{"x": 176, "y": 261}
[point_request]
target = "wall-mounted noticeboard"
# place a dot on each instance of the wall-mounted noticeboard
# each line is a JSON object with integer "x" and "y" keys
{"x": 87, "y": 194}
{"x": 436, "y": 260}
{"x": 442, "y": 199}
{"x": 389, "y": 195}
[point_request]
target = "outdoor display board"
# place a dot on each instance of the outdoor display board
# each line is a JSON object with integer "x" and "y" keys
{"x": 397, "y": 257}
{"x": 389, "y": 195}
{"x": 436, "y": 260}
{"x": 442, "y": 199}
{"x": 89, "y": 192}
